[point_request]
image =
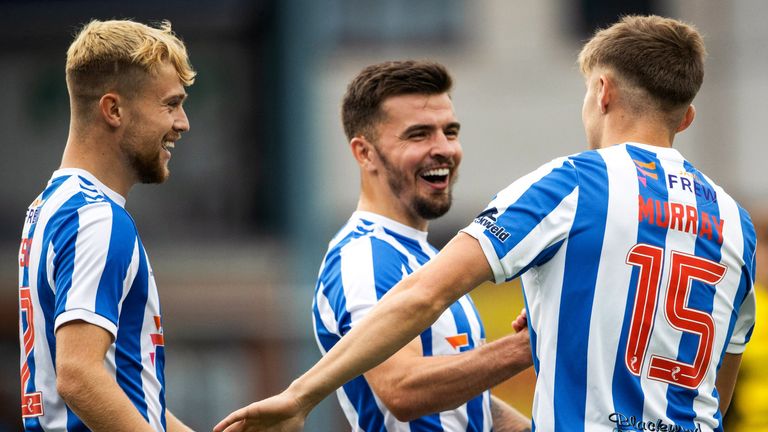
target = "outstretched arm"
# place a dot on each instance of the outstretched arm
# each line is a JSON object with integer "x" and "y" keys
{"x": 410, "y": 307}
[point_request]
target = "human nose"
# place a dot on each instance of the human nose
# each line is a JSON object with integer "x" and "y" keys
{"x": 447, "y": 146}
{"x": 181, "y": 122}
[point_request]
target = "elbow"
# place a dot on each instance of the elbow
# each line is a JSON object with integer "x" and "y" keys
{"x": 403, "y": 409}
{"x": 406, "y": 406}
{"x": 70, "y": 380}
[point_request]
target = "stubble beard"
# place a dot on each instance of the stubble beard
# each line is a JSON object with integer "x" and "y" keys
{"x": 429, "y": 207}
{"x": 147, "y": 166}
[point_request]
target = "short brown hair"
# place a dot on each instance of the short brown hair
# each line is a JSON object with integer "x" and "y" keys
{"x": 361, "y": 107}
{"x": 663, "y": 56}
{"x": 110, "y": 55}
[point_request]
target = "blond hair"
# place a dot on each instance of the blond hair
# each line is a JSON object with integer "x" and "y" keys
{"x": 662, "y": 56}
{"x": 116, "y": 55}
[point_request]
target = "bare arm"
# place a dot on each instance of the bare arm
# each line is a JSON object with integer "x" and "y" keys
{"x": 410, "y": 307}
{"x": 86, "y": 386}
{"x": 174, "y": 424}
{"x": 412, "y": 386}
{"x": 508, "y": 419}
{"x": 726, "y": 379}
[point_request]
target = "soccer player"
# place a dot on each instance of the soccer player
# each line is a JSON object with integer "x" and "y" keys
{"x": 91, "y": 332}
{"x": 637, "y": 268}
{"x": 404, "y": 135}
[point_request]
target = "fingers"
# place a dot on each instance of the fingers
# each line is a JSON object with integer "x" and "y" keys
{"x": 520, "y": 322}
{"x": 230, "y": 420}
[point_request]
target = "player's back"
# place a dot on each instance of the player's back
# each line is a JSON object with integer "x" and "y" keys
{"x": 633, "y": 314}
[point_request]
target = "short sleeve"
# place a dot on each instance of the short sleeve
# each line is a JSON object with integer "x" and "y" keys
{"x": 745, "y": 324}
{"x": 95, "y": 259}
{"x": 525, "y": 224}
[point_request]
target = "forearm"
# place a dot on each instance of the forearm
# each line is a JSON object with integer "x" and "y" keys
{"x": 98, "y": 401}
{"x": 434, "y": 384}
{"x": 508, "y": 419}
{"x": 174, "y": 424}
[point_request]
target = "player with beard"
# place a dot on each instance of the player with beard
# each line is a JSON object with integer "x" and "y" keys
{"x": 404, "y": 135}
{"x": 91, "y": 333}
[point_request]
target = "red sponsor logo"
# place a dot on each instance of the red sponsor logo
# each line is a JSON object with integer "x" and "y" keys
{"x": 157, "y": 338}
{"x": 458, "y": 341}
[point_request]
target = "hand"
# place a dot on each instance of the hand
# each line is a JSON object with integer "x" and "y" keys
{"x": 521, "y": 322}
{"x": 281, "y": 413}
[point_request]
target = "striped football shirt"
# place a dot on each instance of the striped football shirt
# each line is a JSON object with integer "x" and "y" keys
{"x": 366, "y": 259}
{"x": 638, "y": 274}
{"x": 81, "y": 259}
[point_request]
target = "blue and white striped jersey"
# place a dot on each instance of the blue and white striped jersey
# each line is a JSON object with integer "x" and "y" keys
{"x": 638, "y": 277}
{"x": 369, "y": 256}
{"x": 81, "y": 259}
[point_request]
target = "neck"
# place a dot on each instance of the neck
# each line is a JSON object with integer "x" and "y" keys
{"x": 385, "y": 203}
{"x": 623, "y": 128}
{"x": 95, "y": 153}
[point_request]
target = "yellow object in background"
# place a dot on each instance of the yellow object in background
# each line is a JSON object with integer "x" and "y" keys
{"x": 749, "y": 408}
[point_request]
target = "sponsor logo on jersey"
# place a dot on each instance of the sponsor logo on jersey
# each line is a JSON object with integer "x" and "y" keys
{"x": 645, "y": 170}
{"x": 488, "y": 220}
{"x": 690, "y": 182}
{"x": 33, "y": 212}
{"x": 458, "y": 341}
{"x": 680, "y": 217}
{"x": 631, "y": 423}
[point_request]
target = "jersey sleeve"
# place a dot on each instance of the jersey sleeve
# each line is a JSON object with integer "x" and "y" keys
{"x": 525, "y": 224}
{"x": 94, "y": 259}
{"x": 745, "y": 324}
{"x": 366, "y": 270}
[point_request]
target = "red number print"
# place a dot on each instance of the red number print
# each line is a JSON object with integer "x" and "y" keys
{"x": 684, "y": 269}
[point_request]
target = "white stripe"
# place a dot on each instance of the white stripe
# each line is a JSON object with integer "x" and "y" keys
{"x": 613, "y": 278}
{"x": 544, "y": 316}
{"x": 357, "y": 279}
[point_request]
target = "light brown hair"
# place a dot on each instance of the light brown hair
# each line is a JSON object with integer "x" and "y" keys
{"x": 361, "y": 107}
{"x": 117, "y": 55}
{"x": 662, "y": 56}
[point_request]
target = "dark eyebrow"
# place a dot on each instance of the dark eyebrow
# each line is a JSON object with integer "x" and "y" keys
{"x": 428, "y": 127}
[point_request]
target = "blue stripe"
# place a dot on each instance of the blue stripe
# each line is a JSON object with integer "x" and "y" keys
{"x": 359, "y": 393}
{"x": 628, "y": 398}
{"x": 128, "y": 342}
{"x": 580, "y": 275}
{"x": 118, "y": 260}
{"x": 701, "y": 297}
{"x": 388, "y": 266}
{"x": 533, "y": 206}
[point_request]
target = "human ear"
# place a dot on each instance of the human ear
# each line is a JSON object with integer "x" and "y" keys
{"x": 110, "y": 109}
{"x": 605, "y": 89}
{"x": 363, "y": 152}
{"x": 690, "y": 114}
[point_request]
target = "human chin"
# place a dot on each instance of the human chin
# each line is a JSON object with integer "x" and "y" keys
{"x": 151, "y": 169}
{"x": 433, "y": 206}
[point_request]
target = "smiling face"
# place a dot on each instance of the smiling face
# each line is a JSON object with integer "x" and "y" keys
{"x": 419, "y": 153}
{"x": 156, "y": 119}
